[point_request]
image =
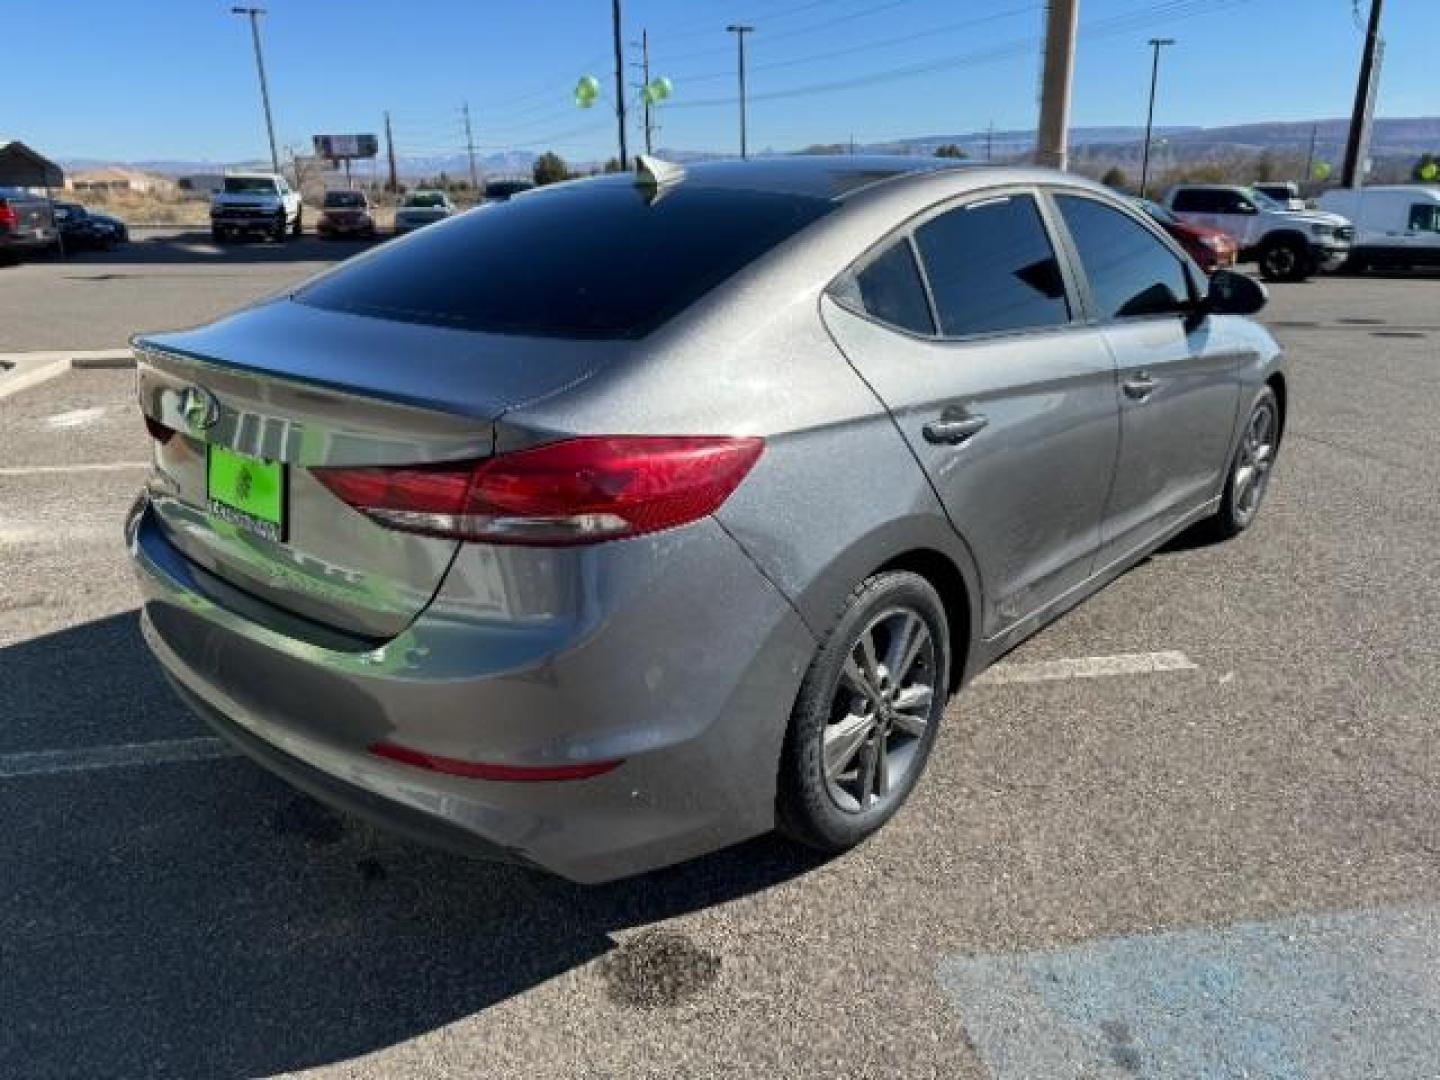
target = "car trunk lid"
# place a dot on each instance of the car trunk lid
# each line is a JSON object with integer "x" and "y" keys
{"x": 259, "y": 399}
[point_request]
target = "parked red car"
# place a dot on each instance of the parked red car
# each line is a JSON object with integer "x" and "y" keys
{"x": 1211, "y": 248}
{"x": 346, "y": 213}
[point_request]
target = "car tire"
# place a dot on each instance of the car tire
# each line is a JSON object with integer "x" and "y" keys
{"x": 1249, "y": 476}
{"x": 857, "y": 743}
{"x": 1286, "y": 259}
{"x": 299, "y": 227}
{"x": 217, "y": 235}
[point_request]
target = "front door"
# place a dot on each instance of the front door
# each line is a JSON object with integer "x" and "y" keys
{"x": 1178, "y": 388}
{"x": 1006, "y": 400}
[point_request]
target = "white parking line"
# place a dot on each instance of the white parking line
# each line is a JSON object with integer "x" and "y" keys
{"x": 94, "y": 466}
{"x": 51, "y": 762}
{"x": 1089, "y": 667}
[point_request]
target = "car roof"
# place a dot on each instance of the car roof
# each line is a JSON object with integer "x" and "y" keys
{"x": 1411, "y": 190}
{"x": 827, "y": 176}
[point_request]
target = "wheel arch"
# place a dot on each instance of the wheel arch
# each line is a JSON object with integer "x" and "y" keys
{"x": 940, "y": 570}
{"x": 1276, "y": 382}
{"x": 1285, "y": 236}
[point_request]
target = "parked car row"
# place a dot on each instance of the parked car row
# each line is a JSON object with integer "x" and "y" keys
{"x": 32, "y": 223}
{"x": 1355, "y": 230}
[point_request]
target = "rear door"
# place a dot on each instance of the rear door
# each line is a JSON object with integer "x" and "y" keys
{"x": 1005, "y": 398}
{"x": 1178, "y": 385}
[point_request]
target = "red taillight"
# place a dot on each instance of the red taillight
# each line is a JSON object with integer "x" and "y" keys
{"x": 158, "y": 431}
{"x": 578, "y": 491}
{"x": 480, "y": 770}
{"x": 9, "y": 219}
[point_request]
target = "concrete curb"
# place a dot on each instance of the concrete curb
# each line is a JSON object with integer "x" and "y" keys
{"x": 20, "y": 371}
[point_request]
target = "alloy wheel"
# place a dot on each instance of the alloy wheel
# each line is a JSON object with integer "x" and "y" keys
{"x": 1254, "y": 462}
{"x": 880, "y": 711}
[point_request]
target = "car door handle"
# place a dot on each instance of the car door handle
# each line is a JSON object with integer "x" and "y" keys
{"x": 1140, "y": 387}
{"x": 954, "y": 429}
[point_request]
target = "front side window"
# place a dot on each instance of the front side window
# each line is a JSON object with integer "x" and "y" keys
{"x": 890, "y": 289}
{"x": 1131, "y": 273}
{"x": 1425, "y": 217}
{"x": 992, "y": 268}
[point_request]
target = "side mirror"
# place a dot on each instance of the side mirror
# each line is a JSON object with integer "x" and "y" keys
{"x": 1247, "y": 208}
{"x": 1234, "y": 294}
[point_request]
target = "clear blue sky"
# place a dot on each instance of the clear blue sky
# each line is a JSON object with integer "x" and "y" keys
{"x": 175, "y": 78}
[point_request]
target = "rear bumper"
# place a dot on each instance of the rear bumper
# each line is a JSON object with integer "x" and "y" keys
{"x": 28, "y": 241}
{"x": 692, "y": 692}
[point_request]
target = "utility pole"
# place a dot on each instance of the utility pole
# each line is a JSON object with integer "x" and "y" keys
{"x": 1060, "y": 26}
{"x": 645, "y": 92}
{"x": 1310, "y": 157}
{"x": 470, "y": 148}
{"x": 1357, "y": 146}
{"x": 619, "y": 82}
{"x": 254, "y": 13}
{"x": 740, "y": 30}
{"x": 990, "y": 142}
{"x": 390, "y": 152}
{"x": 1156, "y": 44}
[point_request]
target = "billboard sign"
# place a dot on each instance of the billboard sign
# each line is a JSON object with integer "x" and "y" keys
{"x": 346, "y": 147}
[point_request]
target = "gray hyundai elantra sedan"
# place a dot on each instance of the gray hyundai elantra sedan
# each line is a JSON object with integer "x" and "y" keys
{"x": 644, "y": 514}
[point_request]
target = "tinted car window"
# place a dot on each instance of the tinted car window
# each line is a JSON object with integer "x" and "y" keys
{"x": 1425, "y": 217}
{"x": 250, "y": 185}
{"x": 992, "y": 269}
{"x": 596, "y": 259}
{"x": 1199, "y": 202}
{"x": 1131, "y": 273}
{"x": 344, "y": 199}
{"x": 890, "y": 289}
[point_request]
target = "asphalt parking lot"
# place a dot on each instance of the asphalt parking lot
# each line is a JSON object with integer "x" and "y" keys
{"x": 1214, "y": 851}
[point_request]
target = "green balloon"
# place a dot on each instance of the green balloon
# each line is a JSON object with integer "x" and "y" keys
{"x": 1321, "y": 171}
{"x": 663, "y": 88}
{"x": 586, "y": 91}
{"x": 1429, "y": 172}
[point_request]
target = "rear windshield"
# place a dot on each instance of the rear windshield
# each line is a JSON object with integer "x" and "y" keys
{"x": 425, "y": 198}
{"x": 595, "y": 259}
{"x": 344, "y": 199}
{"x": 249, "y": 185}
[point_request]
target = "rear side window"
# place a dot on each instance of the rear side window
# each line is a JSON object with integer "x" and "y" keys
{"x": 890, "y": 289}
{"x": 992, "y": 268}
{"x": 596, "y": 259}
{"x": 1131, "y": 273}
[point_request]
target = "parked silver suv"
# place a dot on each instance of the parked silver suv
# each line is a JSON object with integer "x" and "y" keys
{"x": 636, "y": 516}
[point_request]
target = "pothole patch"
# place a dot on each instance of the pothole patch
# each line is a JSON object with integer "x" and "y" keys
{"x": 658, "y": 969}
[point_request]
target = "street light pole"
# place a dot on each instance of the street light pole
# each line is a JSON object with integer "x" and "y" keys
{"x": 1156, "y": 44}
{"x": 254, "y": 13}
{"x": 740, "y": 31}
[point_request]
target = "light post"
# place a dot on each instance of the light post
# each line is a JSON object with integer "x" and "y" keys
{"x": 740, "y": 31}
{"x": 1156, "y": 44}
{"x": 254, "y": 13}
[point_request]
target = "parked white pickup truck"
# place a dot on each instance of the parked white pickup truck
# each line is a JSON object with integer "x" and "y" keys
{"x": 1289, "y": 245}
{"x": 1395, "y": 226}
{"x": 255, "y": 203}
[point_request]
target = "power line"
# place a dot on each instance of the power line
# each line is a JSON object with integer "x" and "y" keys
{"x": 1170, "y": 10}
{"x": 903, "y": 39}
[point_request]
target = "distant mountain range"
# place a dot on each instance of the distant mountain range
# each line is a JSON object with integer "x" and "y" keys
{"x": 1393, "y": 138}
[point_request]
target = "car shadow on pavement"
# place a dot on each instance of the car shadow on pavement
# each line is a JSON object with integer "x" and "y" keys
{"x": 203, "y": 919}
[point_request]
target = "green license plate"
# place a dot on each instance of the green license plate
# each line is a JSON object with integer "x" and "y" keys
{"x": 246, "y": 492}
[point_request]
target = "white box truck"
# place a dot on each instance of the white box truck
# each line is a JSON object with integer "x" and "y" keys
{"x": 1395, "y": 226}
